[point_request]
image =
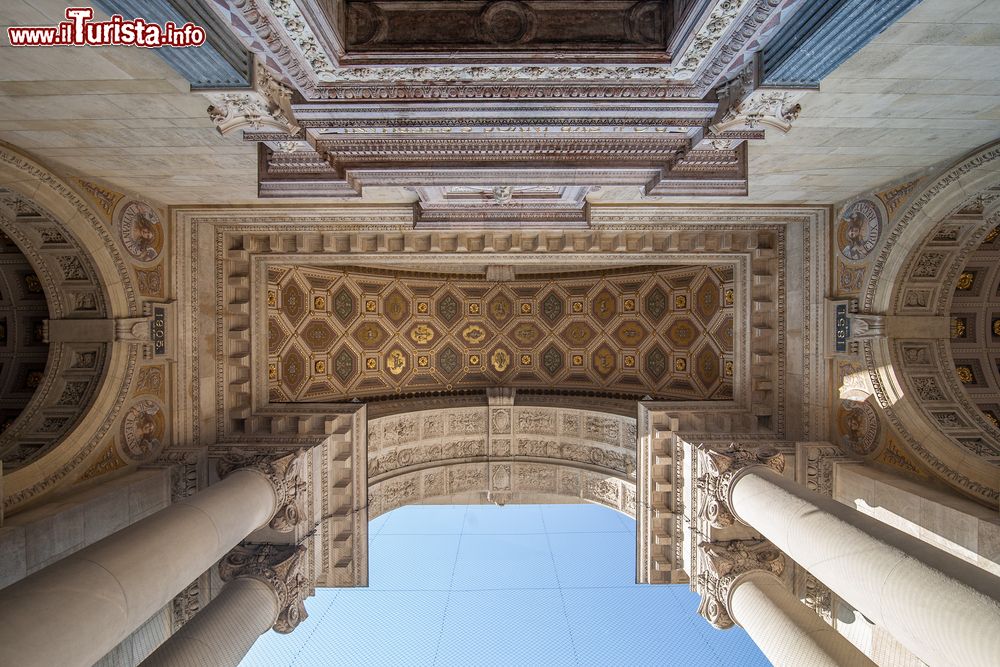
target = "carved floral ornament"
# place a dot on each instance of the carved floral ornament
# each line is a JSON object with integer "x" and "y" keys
{"x": 280, "y": 567}
{"x": 284, "y": 473}
{"x": 721, "y": 470}
{"x": 722, "y": 565}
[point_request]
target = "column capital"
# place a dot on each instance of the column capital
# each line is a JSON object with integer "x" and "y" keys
{"x": 280, "y": 566}
{"x": 720, "y": 470}
{"x": 720, "y": 567}
{"x": 285, "y": 475}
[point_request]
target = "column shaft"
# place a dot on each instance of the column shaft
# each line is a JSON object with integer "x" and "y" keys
{"x": 76, "y": 610}
{"x": 786, "y": 631}
{"x": 222, "y": 633}
{"x": 942, "y": 609}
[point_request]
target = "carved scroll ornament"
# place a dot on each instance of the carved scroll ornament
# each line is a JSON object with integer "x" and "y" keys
{"x": 284, "y": 473}
{"x": 280, "y": 567}
{"x": 721, "y": 469}
{"x": 722, "y": 565}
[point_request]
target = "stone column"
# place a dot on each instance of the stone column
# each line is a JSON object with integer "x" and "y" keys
{"x": 265, "y": 588}
{"x": 76, "y": 610}
{"x": 739, "y": 584}
{"x": 943, "y": 610}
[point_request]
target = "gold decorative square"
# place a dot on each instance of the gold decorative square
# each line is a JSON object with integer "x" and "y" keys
{"x": 319, "y": 366}
{"x": 629, "y": 305}
{"x": 965, "y": 374}
{"x": 729, "y": 368}
{"x": 578, "y": 306}
{"x": 319, "y": 303}
{"x": 423, "y": 307}
{"x": 965, "y": 281}
{"x": 423, "y": 361}
{"x": 474, "y": 359}
{"x": 474, "y": 309}
{"x": 525, "y": 359}
{"x": 526, "y": 309}
{"x": 629, "y": 361}
{"x": 272, "y": 371}
{"x": 730, "y": 297}
{"x": 370, "y": 306}
{"x": 996, "y": 326}
{"x": 272, "y": 298}
{"x": 680, "y": 301}
{"x": 680, "y": 365}
{"x": 371, "y": 363}
{"x": 577, "y": 360}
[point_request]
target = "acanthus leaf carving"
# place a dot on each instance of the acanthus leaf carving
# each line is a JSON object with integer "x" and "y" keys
{"x": 284, "y": 473}
{"x": 721, "y": 565}
{"x": 721, "y": 469}
{"x": 280, "y": 567}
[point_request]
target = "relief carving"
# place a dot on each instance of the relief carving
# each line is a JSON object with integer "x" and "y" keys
{"x": 284, "y": 473}
{"x": 279, "y": 566}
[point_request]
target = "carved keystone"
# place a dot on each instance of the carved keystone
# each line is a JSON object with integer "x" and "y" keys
{"x": 721, "y": 566}
{"x": 284, "y": 473}
{"x": 721, "y": 471}
{"x": 278, "y": 566}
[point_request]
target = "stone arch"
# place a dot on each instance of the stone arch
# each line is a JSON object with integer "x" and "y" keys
{"x": 911, "y": 368}
{"x": 85, "y": 278}
{"x": 501, "y": 454}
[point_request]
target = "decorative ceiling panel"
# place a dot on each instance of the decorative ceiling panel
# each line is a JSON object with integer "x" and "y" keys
{"x": 336, "y": 334}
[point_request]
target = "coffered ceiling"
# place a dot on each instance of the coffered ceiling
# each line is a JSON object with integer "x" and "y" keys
{"x": 344, "y": 333}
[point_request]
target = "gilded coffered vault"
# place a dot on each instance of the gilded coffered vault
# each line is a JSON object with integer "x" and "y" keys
{"x": 338, "y": 334}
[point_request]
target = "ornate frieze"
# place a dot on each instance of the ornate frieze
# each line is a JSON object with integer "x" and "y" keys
{"x": 722, "y": 469}
{"x": 720, "y": 567}
{"x": 284, "y": 473}
{"x": 279, "y": 566}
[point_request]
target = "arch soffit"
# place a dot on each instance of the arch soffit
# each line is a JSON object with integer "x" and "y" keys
{"x": 931, "y": 425}
{"x": 89, "y": 240}
{"x": 501, "y": 454}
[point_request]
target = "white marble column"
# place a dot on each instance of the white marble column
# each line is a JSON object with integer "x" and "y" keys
{"x": 265, "y": 588}
{"x": 942, "y": 609}
{"x": 740, "y": 583}
{"x": 76, "y": 610}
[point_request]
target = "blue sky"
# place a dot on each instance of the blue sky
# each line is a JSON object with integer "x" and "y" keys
{"x": 531, "y": 585}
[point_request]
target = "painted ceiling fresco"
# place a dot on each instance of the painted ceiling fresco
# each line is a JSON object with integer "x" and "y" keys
{"x": 336, "y": 334}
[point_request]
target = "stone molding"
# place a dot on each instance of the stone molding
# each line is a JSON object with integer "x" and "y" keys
{"x": 280, "y": 567}
{"x": 722, "y": 470}
{"x": 721, "y": 567}
{"x": 97, "y": 275}
{"x": 915, "y": 273}
{"x": 278, "y": 30}
{"x": 285, "y": 475}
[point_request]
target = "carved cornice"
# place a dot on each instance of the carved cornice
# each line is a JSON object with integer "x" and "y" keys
{"x": 723, "y": 469}
{"x": 281, "y": 568}
{"x": 285, "y": 475}
{"x": 278, "y": 30}
{"x": 722, "y": 565}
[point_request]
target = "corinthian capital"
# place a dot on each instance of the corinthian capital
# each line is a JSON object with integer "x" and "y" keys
{"x": 284, "y": 473}
{"x": 280, "y": 567}
{"x": 720, "y": 566}
{"x": 721, "y": 469}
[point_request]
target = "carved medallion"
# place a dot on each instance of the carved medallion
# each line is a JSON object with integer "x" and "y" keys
{"x": 860, "y": 228}
{"x": 140, "y": 231}
{"x": 859, "y": 426}
{"x": 142, "y": 430}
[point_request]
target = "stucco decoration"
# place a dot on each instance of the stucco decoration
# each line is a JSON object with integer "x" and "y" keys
{"x": 858, "y": 425}
{"x": 142, "y": 430}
